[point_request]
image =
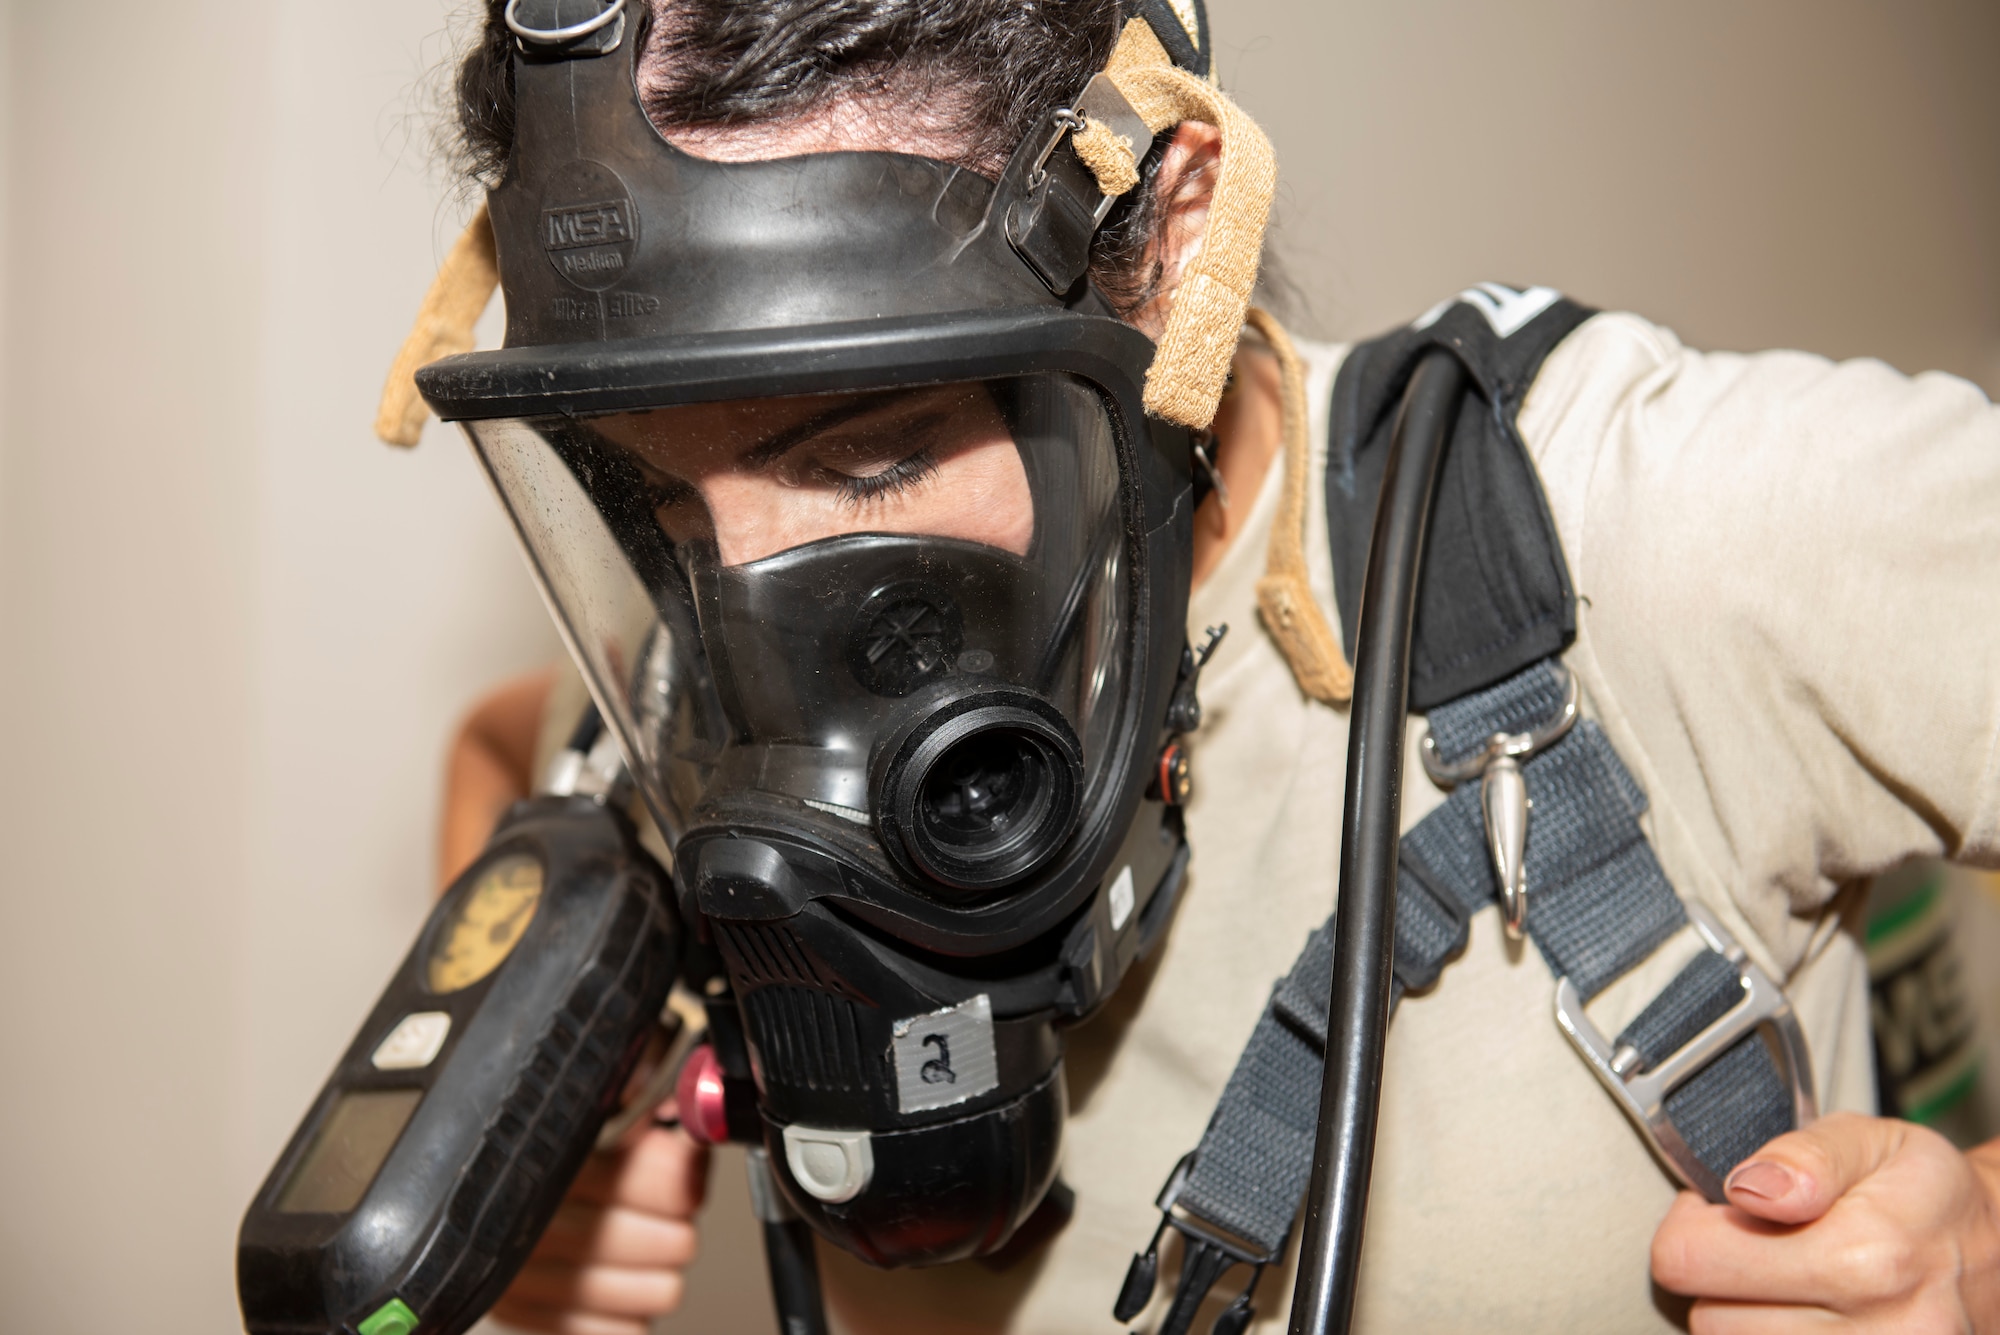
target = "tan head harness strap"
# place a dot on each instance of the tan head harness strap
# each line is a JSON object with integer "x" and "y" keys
{"x": 458, "y": 297}
{"x": 1284, "y": 595}
{"x": 1192, "y": 363}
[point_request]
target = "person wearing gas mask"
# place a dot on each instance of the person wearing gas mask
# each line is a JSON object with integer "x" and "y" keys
{"x": 882, "y": 402}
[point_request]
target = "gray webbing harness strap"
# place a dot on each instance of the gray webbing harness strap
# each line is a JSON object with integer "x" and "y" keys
{"x": 1694, "y": 1070}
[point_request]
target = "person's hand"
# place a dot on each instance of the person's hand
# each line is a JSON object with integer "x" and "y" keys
{"x": 612, "y": 1258}
{"x": 1856, "y": 1223}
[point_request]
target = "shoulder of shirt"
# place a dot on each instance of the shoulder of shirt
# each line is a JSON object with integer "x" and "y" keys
{"x": 1602, "y": 357}
{"x": 1595, "y": 367}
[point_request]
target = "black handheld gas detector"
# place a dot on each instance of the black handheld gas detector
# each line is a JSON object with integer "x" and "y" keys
{"x": 435, "y": 1155}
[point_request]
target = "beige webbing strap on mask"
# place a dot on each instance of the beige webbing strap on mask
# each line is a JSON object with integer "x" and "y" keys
{"x": 1192, "y": 363}
{"x": 1284, "y": 595}
{"x": 458, "y": 297}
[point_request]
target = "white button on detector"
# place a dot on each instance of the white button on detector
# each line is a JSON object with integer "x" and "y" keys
{"x": 832, "y": 1166}
{"x": 413, "y": 1044}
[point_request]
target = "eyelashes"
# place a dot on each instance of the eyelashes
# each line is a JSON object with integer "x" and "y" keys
{"x": 851, "y": 490}
{"x": 663, "y": 493}
{"x": 899, "y": 477}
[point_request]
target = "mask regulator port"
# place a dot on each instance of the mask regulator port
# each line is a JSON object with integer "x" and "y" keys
{"x": 981, "y": 789}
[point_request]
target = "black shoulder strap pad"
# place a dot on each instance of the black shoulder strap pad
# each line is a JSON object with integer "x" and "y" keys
{"x": 1496, "y": 594}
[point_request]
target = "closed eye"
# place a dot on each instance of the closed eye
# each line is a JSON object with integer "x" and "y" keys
{"x": 905, "y": 474}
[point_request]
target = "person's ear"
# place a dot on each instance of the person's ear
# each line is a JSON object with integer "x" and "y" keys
{"x": 1189, "y": 168}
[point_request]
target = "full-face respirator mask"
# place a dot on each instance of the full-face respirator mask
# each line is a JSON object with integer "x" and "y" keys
{"x": 917, "y": 765}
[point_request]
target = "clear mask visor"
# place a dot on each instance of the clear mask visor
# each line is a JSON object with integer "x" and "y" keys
{"x": 769, "y": 597}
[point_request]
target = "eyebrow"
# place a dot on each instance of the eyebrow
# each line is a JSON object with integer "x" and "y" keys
{"x": 774, "y": 446}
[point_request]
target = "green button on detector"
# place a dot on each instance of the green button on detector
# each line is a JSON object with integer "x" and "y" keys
{"x": 391, "y": 1318}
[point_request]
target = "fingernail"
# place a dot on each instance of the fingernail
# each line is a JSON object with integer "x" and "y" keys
{"x": 1761, "y": 1178}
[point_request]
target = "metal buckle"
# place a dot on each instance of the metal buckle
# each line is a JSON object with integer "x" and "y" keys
{"x": 1206, "y": 1254}
{"x": 1066, "y": 121}
{"x": 1102, "y": 102}
{"x": 1643, "y": 1093}
{"x": 558, "y": 36}
{"x": 1503, "y": 798}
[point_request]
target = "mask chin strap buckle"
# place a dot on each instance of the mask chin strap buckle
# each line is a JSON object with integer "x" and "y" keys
{"x": 1206, "y": 1254}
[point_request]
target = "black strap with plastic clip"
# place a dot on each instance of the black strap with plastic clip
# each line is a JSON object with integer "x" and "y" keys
{"x": 1206, "y": 1255}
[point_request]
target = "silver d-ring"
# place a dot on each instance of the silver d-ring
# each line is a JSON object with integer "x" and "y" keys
{"x": 556, "y": 36}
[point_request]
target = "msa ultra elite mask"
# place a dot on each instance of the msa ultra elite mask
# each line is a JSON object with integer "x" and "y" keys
{"x": 918, "y": 782}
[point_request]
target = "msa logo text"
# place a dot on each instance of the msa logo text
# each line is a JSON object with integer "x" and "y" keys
{"x": 602, "y": 224}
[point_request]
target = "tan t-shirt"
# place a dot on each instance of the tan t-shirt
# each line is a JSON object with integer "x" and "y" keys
{"x": 1788, "y": 578}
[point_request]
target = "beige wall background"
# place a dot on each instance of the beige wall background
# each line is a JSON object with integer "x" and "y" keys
{"x": 235, "y": 632}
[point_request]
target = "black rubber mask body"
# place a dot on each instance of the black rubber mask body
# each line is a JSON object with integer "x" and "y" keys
{"x": 904, "y": 775}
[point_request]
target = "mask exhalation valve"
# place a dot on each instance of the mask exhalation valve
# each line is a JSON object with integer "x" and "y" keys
{"x": 982, "y": 789}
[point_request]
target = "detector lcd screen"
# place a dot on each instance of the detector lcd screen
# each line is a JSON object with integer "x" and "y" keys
{"x": 350, "y": 1147}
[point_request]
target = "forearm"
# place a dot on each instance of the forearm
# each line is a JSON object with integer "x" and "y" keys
{"x": 489, "y": 767}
